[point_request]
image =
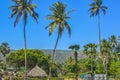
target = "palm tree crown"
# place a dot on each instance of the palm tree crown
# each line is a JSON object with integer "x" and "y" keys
{"x": 75, "y": 48}
{"x": 90, "y": 49}
{"x": 96, "y": 6}
{"x": 59, "y": 18}
{"x": 4, "y": 48}
{"x": 21, "y": 9}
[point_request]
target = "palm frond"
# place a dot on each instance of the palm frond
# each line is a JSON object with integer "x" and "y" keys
{"x": 17, "y": 18}
{"x": 51, "y": 17}
{"x": 67, "y": 13}
{"x": 104, "y": 8}
{"x": 59, "y": 16}
{"x": 68, "y": 28}
{"x": 14, "y": 12}
{"x": 35, "y": 16}
{"x": 51, "y": 27}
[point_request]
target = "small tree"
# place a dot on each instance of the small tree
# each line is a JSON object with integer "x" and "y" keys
{"x": 4, "y": 49}
{"x": 75, "y": 48}
{"x": 105, "y": 50}
{"x": 90, "y": 51}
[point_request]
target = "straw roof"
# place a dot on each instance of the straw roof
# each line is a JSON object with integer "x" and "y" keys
{"x": 36, "y": 72}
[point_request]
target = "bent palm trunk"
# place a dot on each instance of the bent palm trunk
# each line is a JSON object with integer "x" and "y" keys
{"x": 53, "y": 57}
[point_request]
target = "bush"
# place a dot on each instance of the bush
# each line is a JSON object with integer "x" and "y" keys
{"x": 21, "y": 78}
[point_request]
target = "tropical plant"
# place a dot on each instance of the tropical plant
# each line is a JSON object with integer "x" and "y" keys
{"x": 75, "y": 48}
{"x": 4, "y": 49}
{"x": 113, "y": 43}
{"x": 34, "y": 57}
{"x": 90, "y": 51}
{"x": 59, "y": 19}
{"x": 21, "y": 8}
{"x": 95, "y": 9}
{"x": 105, "y": 50}
{"x": 114, "y": 69}
{"x": 118, "y": 51}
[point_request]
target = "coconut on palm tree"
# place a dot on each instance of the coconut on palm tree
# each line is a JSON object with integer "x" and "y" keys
{"x": 75, "y": 48}
{"x": 58, "y": 19}
{"x": 96, "y": 8}
{"x": 23, "y": 8}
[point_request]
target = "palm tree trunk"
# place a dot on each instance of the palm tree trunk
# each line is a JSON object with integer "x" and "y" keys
{"x": 53, "y": 57}
{"x": 76, "y": 70}
{"x": 25, "y": 52}
{"x": 105, "y": 71}
{"x": 4, "y": 67}
{"x": 99, "y": 32}
{"x": 91, "y": 68}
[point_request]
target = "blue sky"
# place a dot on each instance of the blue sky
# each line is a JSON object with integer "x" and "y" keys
{"x": 84, "y": 28}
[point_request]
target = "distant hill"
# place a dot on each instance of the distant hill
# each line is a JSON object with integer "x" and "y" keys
{"x": 60, "y": 55}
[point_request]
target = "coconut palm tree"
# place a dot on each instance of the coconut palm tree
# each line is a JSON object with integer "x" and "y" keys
{"x": 22, "y": 8}
{"x": 59, "y": 19}
{"x": 4, "y": 49}
{"x": 90, "y": 51}
{"x": 95, "y": 9}
{"x": 105, "y": 50}
{"x": 75, "y": 48}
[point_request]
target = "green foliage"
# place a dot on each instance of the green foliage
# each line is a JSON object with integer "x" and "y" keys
{"x": 22, "y": 9}
{"x": 114, "y": 68}
{"x": 4, "y": 48}
{"x": 99, "y": 69}
{"x": 96, "y": 7}
{"x": 34, "y": 57}
{"x": 21, "y": 78}
{"x": 59, "y": 18}
{"x": 16, "y": 59}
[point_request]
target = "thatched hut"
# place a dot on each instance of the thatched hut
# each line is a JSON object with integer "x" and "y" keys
{"x": 36, "y": 72}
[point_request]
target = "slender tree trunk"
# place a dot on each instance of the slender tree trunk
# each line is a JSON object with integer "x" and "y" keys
{"x": 4, "y": 67}
{"x": 76, "y": 70}
{"x": 91, "y": 68}
{"x": 105, "y": 71}
{"x": 106, "y": 65}
{"x": 53, "y": 57}
{"x": 99, "y": 33}
{"x": 25, "y": 53}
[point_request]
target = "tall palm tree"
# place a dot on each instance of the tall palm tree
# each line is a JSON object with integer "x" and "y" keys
{"x": 4, "y": 49}
{"x": 105, "y": 50}
{"x": 22, "y": 8}
{"x": 90, "y": 51}
{"x": 59, "y": 19}
{"x": 95, "y": 9}
{"x": 75, "y": 48}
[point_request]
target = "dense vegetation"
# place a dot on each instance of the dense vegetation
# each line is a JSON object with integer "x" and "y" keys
{"x": 92, "y": 63}
{"x": 102, "y": 58}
